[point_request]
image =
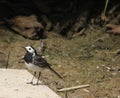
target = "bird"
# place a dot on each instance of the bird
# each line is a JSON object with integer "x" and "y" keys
{"x": 37, "y": 63}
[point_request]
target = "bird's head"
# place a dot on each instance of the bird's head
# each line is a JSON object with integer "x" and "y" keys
{"x": 30, "y": 49}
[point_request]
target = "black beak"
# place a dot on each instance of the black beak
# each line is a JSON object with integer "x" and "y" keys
{"x": 24, "y": 48}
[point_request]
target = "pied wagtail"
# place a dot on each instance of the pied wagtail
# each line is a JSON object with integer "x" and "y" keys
{"x": 36, "y": 63}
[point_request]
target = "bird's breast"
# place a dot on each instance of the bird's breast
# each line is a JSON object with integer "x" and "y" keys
{"x": 33, "y": 67}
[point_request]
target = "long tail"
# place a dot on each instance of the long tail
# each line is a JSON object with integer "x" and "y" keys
{"x": 55, "y": 72}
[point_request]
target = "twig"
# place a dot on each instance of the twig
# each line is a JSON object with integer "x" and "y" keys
{"x": 114, "y": 8}
{"x": 79, "y": 33}
{"x": 73, "y": 88}
{"x": 42, "y": 47}
{"x": 7, "y": 63}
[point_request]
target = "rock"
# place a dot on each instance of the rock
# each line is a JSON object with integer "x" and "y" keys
{"x": 27, "y": 26}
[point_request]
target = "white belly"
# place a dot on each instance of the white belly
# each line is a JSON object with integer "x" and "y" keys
{"x": 32, "y": 67}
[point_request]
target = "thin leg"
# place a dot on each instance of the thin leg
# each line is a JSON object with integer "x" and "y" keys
{"x": 38, "y": 78}
{"x": 32, "y": 79}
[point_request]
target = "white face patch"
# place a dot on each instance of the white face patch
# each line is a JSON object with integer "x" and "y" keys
{"x": 30, "y": 49}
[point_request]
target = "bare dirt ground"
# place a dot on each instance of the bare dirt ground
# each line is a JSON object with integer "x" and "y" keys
{"x": 92, "y": 59}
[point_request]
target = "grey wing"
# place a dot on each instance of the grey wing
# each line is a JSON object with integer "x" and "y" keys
{"x": 39, "y": 61}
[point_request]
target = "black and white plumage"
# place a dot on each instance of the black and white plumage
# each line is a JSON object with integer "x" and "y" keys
{"x": 36, "y": 63}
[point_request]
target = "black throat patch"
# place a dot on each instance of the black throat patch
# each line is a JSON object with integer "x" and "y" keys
{"x": 28, "y": 57}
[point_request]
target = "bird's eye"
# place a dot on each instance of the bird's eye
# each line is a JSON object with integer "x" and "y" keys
{"x": 29, "y": 48}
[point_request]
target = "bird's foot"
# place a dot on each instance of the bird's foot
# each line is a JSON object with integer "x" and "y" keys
{"x": 38, "y": 84}
{"x": 30, "y": 82}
